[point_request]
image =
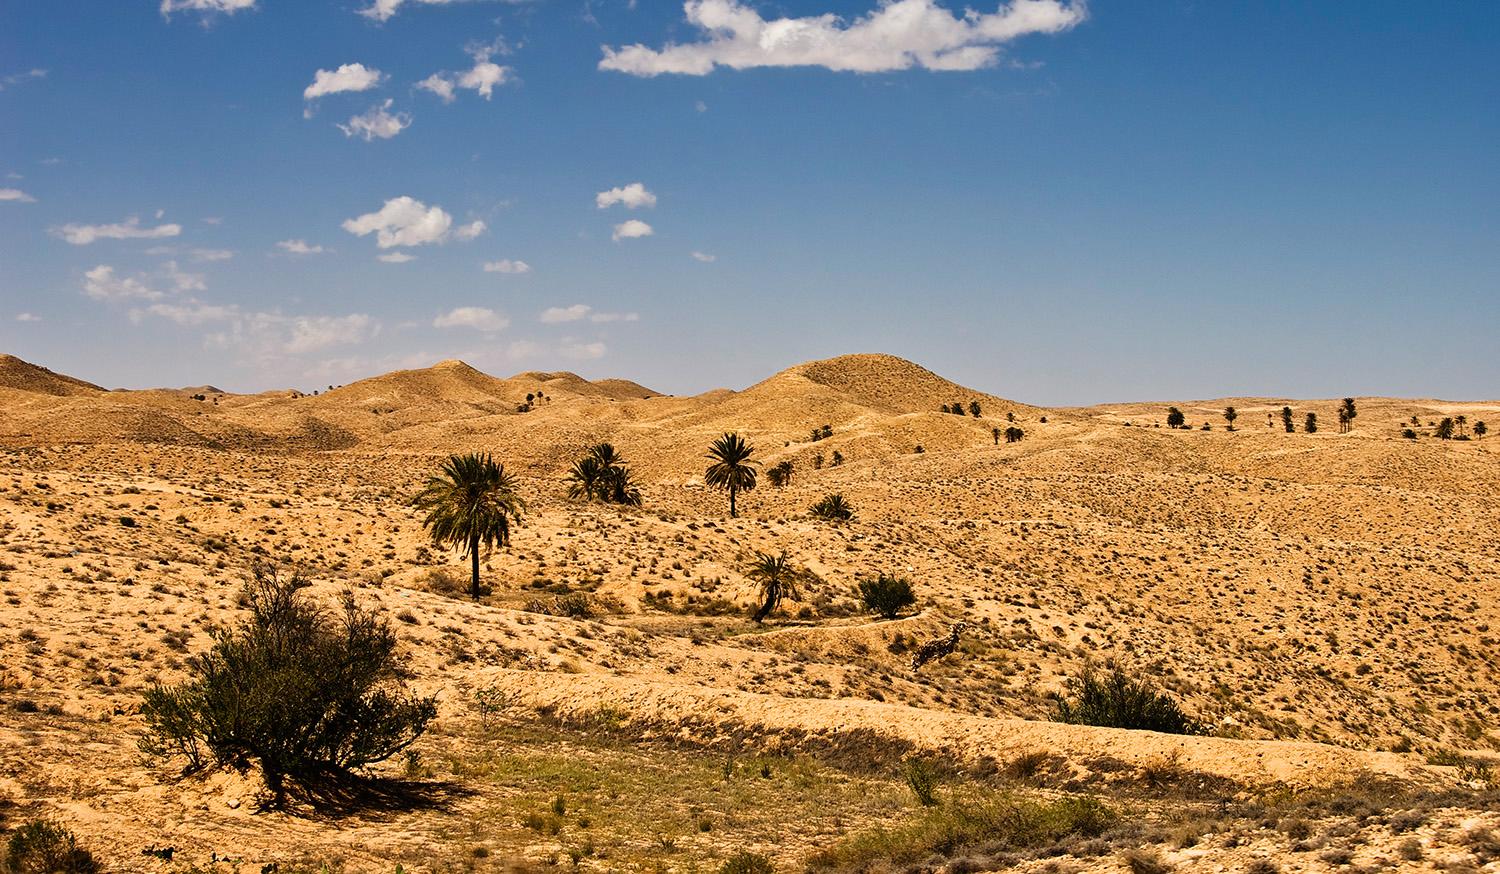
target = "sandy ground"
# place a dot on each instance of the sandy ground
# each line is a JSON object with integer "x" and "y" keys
{"x": 1326, "y": 601}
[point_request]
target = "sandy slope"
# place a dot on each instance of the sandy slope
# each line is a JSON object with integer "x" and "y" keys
{"x": 1323, "y": 598}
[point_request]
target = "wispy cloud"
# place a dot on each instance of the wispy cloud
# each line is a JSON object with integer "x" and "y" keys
{"x": 15, "y": 195}
{"x": 506, "y": 265}
{"x": 579, "y": 311}
{"x": 130, "y": 229}
{"x": 299, "y": 247}
{"x": 17, "y": 78}
{"x": 349, "y": 77}
{"x": 482, "y": 78}
{"x": 378, "y": 123}
{"x": 478, "y": 318}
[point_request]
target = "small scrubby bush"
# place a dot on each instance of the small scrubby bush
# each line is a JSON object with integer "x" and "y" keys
{"x": 886, "y": 595}
{"x": 302, "y": 691}
{"x": 921, "y": 777}
{"x": 1117, "y": 700}
{"x": 42, "y": 847}
{"x": 833, "y": 508}
{"x": 748, "y": 863}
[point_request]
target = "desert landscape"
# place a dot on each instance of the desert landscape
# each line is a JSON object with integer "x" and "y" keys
{"x": 1321, "y": 605}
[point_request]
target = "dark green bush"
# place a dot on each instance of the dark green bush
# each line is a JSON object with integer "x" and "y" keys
{"x": 1117, "y": 700}
{"x": 833, "y": 508}
{"x": 41, "y": 847}
{"x": 886, "y": 595}
{"x": 748, "y": 863}
{"x": 302, "y": 691}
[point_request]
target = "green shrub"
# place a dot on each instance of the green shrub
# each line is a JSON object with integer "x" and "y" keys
{"x": 886, "y": 595}
{"x": 833, "y": 508}
{"x": 922, "y": 778}
{"x": 998, "y": 823}
{"x": 1119, "y": 701}
{"x": 304, "y": 692}
{"x": 41, "y": 847}
{"x": 748, "y": 863}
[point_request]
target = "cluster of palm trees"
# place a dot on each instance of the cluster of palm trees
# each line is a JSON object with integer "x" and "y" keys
{"x": 602, "y": 475}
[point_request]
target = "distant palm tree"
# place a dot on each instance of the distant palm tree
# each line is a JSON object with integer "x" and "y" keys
{"x": 1286, "y": 419}
{"x": 995, "y": 433}
{"x": 1230, "y": 414}
{"x": 1347, "y": 412}
{"x": 1480, "y": 429}
{"x": 471, "y": 504}
{"x": 778, "y": 580}
{"x": 584, "y": 478}
{"x": 732, "y": 467}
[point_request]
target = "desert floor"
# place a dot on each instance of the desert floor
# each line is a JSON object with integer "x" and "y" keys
{"x": 1325, "y": 602}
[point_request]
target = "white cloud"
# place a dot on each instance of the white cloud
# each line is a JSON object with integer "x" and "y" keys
{"x": 404, "y": 221}
{"x": 582, "y": 351}
{"x": 101, "y": 283}
{"x": 377, "y": 123}
{"x": 18, "y": 78}
{"x": 632, "y": 229}
{"x": 349, "y": 77}
{"x": 506, "y": 265}
{"x": 395, "y": 257}
{"x": 896, "y": 35}
{"x": 382, "y": 10}
{"x": 580, "y": 311}
{"x": 299, "y": 247}
{"x": 557, "y": 315}
{"x": 705, "y": 257}
{"x": 27, "y": 317}
{"x": 478, "y": 318}
{"x": 130, "y": 229}
{"x": 440, "y": 85}
{"x": 480, "y": 78}
{"x": 15, "y": 195}
{"x": 228, "y": 7}
{"x": 632, "y": 196}
{"x": 195, "y": 254}
{"x": 269, "y": 337}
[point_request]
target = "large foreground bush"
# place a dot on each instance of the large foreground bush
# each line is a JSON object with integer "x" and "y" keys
{"x": 42, "y": 847}
{"x": 304, "y": 691}
{"x": 1116, "y": 700}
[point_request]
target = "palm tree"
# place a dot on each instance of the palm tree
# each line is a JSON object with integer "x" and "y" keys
{"x": 620, "y": 486}
{"x": 1286, "y": 419}
{"x": 778, "y": 580}
{"x": 584, "y": 478}
{"x": 995, "y": 433}
{"x": 1480, "y": 429}
{"x": 471, "y": 504}
{"x": 606, "y": 455}
{"x": 732, "y": 467}
{"x": 1230, "y": 414}
{"x": 1347, "y": 412}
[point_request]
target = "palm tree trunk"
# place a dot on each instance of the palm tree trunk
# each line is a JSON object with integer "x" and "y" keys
{"x": 731, "y": 507}
{"x": 766, "y": 608}
{"x": 474, "y": 563}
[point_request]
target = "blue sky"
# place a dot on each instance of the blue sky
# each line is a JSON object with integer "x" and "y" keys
{"x": 1054, "y": 202}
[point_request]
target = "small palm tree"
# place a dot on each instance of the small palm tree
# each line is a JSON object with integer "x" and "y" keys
{"x": 470, "y": 505}
{"x": 1230, "y": 414}
{"x": 833, "y": 508}
{"x": 605, "y": 454}
{"x": 778, "y": 580}
{"x": 1480, "y": 429}
{"x": 732, "y": 467}
{"x": 584, "y": 478}
{"x": 620, "y": 486}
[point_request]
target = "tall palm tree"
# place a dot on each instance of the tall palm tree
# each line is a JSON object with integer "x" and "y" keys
{"x": 471, "y": 504}
{"x": 778, "y": 579}
{"x": 732, "y": 466}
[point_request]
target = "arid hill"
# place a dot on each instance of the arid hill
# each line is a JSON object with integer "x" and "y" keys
{"x": 1323, "y": 603}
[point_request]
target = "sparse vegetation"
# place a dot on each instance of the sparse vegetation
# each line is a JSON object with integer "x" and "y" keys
{"x": 303, "y": 693}
{"x": 833, "y": 508}
{"x": 886, "y": 595}
{"x": 44, "y": 847}
{"x": 470, "y": 505}
{"x": 1175, "y": 418}
{"x": 602, "y": 475}
{"x": 778, "y": 581}
{"x": 732, "y": 470}
{"x": 1117, "y": 700}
